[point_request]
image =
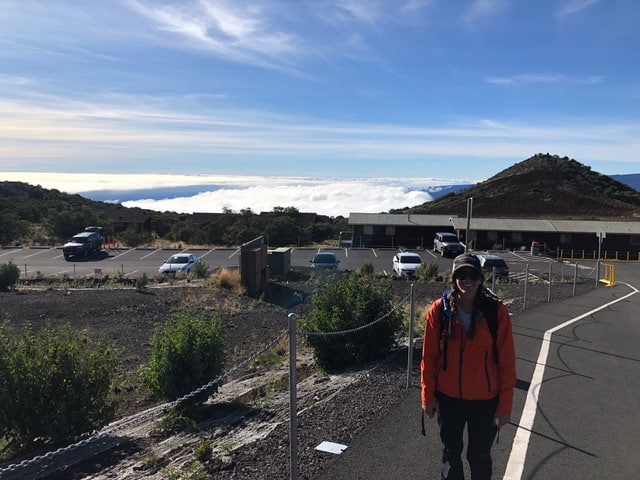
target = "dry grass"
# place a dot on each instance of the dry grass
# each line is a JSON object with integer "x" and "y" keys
{"x": 227, "y": 278}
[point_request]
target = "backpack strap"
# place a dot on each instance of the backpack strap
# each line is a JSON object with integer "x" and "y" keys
{"x": 445, "y": 331}
{"x": 489, "y": 307}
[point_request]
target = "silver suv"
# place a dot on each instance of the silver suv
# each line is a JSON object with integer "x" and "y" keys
{"x": 447, "y": 244}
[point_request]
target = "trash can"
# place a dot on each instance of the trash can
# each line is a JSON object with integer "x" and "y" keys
{"x": 535, "y": 248}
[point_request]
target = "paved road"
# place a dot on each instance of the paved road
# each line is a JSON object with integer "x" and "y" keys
{"x": 576, "y": 413}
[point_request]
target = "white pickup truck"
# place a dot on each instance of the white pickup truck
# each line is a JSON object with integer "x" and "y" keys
{"x": 447, "y": 244}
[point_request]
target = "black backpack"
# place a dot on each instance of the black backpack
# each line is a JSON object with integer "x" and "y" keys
{"x": 488, "y": 306}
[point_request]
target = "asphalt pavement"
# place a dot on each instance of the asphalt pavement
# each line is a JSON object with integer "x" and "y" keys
{"x": 576, "y": 408}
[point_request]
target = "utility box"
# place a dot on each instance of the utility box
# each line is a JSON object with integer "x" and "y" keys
{"x": 254, "y": 269}
{"x": 535, "y": 248}
{"x": 279, "y": 261}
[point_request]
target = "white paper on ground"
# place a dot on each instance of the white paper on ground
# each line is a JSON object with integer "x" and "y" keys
{"x": 331, "y": 447}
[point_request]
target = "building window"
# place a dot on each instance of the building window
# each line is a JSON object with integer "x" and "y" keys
{"x": 390, "y": 230}
{"x": 492, "y": 236}
{"x": 516, "y": 237}
{"x": 565, "y": 239}
{"x": 634, "y": 240}
{"x": 367, "y": 229}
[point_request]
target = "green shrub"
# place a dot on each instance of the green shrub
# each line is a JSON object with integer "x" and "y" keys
{"x": 347, "y": 303}
{"x": 141, "y": 282}
{"x": 54, "y": 385}
{"x": 203, "y": 450}
{"x": 367, "y": 269}
{"x": 9, "y": 275}
{"x": 201, "y": 270}
{"x": 427, "y": 271}
{"x": 187, "y": 352}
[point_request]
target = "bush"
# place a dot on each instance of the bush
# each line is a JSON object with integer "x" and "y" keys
{"x": 229, "y": 279}
{"x": 54, "y": 385}
{"x": 141, "y": 282}
{"x": 187, "y": 352}
{"x": 201, "y": 270}
{"x": 9, "y": 275}
{"x": 428, "y": 271}
{"x": 347, "y": 303}
{"x": 367, "y": 269}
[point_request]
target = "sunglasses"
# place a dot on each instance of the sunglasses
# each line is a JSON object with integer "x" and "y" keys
{"x": 470, "y": 275}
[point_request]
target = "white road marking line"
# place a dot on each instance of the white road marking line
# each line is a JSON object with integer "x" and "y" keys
{"x": 515, "y": 465}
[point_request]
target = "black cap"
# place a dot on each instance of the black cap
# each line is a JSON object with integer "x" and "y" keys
{"x": 466, "y": 260}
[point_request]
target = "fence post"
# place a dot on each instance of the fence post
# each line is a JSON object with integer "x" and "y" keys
{"x": 526, "y": 281}
{"x": 412, "y": 315}
{"x": 293, "y": 407}
{"x": 549, "y": 289}
{"x": 575, "y": 279}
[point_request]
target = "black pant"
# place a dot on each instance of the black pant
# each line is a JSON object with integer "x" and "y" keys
{"x": 479, "y": 417}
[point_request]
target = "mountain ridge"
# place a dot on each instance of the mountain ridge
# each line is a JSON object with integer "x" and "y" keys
{"x": 543, "y": 185}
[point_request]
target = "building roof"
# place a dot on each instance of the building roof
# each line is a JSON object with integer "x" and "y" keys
{"x": 497, "y": 224}
{"x": 407, "y": 220}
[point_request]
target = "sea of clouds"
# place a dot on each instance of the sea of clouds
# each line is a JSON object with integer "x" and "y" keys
{"x": 215, "y": 193}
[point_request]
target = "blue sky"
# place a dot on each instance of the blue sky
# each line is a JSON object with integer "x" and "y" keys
{"x": 438, "y": 91}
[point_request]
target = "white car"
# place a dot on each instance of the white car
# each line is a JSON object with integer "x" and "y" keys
{"x": 179, "y": 263}
{"x": 405, "y": 264}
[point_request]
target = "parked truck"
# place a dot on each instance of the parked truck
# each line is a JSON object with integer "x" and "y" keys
{"x": 447, "y": 244}
{"x": 84, "y": 243}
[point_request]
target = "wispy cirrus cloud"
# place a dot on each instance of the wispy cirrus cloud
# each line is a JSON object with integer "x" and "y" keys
{"x": 574, "y": 6}
{"x": 240, "y": 32}
{"x": 545, "y": 78}
{"x": 277, "y": 34}
{"x": 483, "y": 9}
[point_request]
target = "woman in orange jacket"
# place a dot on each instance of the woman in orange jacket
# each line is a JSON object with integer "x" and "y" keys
{"x": 468, "y": 369}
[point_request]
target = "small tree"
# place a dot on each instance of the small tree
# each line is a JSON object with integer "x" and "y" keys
{"x": 9, "y": 275}
{"x": 187, "y": 352}
{"x": 348, "y": 303}
{"x": 55, "y": 384}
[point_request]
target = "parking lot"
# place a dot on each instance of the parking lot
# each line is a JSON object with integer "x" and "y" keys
{"x": 50, "y": 262}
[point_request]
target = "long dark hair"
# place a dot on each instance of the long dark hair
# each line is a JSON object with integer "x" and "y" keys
{"x": 477, "y": 301}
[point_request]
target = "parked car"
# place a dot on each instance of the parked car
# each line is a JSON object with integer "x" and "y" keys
{"x": 489, "y": 262}
{"x": 405, "y": 264}
{"x": 447, "y": 244}
{"x": 326, "y": 260}
{"x": 82, "y": 244}
{"x": 179, "y": 263}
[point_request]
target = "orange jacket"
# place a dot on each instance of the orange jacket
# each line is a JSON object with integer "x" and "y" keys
{"x": 471, "y": 373}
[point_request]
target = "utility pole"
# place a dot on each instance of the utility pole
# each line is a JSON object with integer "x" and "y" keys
{"x": 469, "y": 213}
